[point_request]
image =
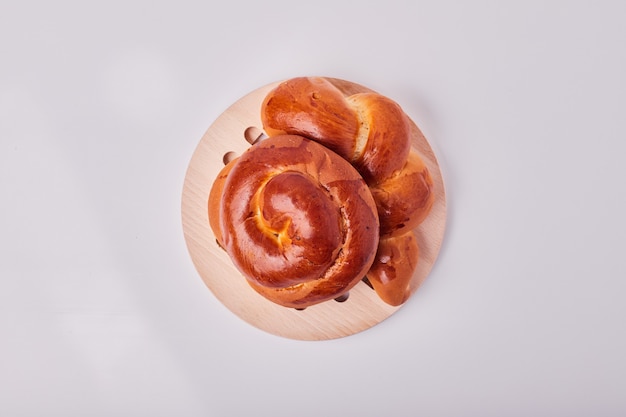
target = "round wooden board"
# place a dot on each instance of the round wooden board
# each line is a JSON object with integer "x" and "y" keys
{"x": 362, "y": 310}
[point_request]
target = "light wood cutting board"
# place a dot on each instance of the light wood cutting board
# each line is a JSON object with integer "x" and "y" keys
{"x": 231, "y": 134}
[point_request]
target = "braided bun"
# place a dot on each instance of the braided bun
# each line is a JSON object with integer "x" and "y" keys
{"x": 367, "y": 129}
{"x": 298, "y": 221}
{"x": 373, "y": 133}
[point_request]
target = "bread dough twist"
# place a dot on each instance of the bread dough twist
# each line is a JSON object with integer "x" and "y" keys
{"x": 373, "y": 133}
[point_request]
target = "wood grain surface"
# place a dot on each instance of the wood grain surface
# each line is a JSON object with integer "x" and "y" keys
{"x": 362, "y": 310}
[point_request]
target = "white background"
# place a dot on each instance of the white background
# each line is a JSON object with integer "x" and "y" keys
{"x": 103, "y": 103}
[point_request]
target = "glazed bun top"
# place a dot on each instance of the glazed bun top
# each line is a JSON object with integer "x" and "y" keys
{"x": 368, "y": 129}
{"x": 298, "y": 220}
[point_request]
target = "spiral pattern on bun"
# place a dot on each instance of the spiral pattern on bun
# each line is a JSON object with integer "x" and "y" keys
{"x": 298, "y": 221}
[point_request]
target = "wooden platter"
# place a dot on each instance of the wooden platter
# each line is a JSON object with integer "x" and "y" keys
{"x": 231, "y": 134}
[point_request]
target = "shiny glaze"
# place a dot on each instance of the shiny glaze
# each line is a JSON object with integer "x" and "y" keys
{"x": 388, "y": 136}
{"x": 298, "y": 221}
{"x": 311, "y": 107}
{"x": 405, "y": 199}
{"x": 393, "y": 267}
{"x": 379, "y": 148}
{"x": 369, "y": 130}
{"x": 296, "y": 227}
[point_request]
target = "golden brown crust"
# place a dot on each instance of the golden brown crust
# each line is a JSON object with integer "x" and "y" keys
{"x": 311, "y": 107}
{"x": 379, "y": 147}
{"x": 215, "y": 200}
{"x": 405, "y": 199}
{"x": 367, "y": 129}
{"x": 298, "y": 221}
{"x": 393, "y": 268}
{"x": 387, "y": 143}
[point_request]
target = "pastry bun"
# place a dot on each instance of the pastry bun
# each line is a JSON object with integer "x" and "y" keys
{"x": 298, "y": 221}
{"x": 373, "y": 133}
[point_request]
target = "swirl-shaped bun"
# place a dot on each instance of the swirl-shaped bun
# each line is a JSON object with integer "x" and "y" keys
{"x": 297, "y": 220}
